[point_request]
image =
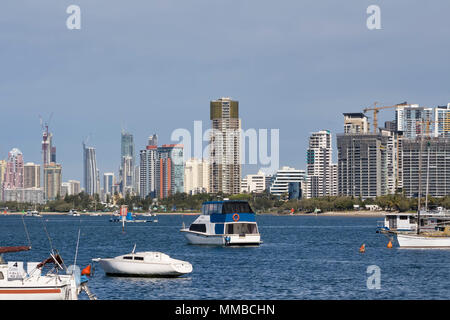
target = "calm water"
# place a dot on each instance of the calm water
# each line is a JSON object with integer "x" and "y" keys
{"x": 301, "y": 258}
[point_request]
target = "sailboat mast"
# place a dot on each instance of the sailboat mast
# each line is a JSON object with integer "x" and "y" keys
{"x": 420, "y": 179}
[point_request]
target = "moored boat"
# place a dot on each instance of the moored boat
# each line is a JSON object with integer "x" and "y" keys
{"x": 144, "y": 264}
{"x": 228, "y": 222}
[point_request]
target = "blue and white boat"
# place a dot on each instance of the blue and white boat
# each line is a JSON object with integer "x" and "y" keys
{"x": 228, "y": 222}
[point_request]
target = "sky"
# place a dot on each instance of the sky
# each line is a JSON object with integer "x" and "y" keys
{"x": 154, "y": 66}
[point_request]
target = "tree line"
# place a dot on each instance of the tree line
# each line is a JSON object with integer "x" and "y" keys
{"x": 260, "y": 202}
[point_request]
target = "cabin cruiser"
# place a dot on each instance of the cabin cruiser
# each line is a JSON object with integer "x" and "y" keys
{"x": 144, "y": 264}
{"x": 33, "y": 213}
{"x": 32, "y": 284}
{"x": 228, "y": 222}
{"x": 407, "y": 222}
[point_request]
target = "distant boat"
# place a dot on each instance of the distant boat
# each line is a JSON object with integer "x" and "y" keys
{"x": 74, "y": 213}
{"x": 128, "y": 219}
{"x": 144, "y": 264}
{"x": 224, "y": 223}
{"x": 33, "y": 213}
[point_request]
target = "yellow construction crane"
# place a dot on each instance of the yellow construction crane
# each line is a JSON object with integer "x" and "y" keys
{"x": 376, "y": 109}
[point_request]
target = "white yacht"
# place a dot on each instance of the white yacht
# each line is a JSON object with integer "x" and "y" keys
{"x": 225, "y": 222}
{"x": 144, "y": 264}
{"x": 18, "y": 284}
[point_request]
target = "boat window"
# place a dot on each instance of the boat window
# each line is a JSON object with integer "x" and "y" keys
{"x": 199, "y": 227}
{"x": 403, "y": 217}
{"x": 1, "y": 276}
{"x": 139, "y": 258}
{"x": 128, "y": 258}
{"x": 236, "y": 207}
{"x": 241, "y": 228}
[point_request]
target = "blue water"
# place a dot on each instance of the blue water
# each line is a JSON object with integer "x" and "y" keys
{"x": 301, "y": 258}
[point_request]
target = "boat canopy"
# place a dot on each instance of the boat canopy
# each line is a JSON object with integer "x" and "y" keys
{"x": 14, "y": 249}
{"x": 224, "y": 207}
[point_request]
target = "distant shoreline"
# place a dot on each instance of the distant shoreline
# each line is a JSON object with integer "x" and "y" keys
{"x": 362, "y": 213}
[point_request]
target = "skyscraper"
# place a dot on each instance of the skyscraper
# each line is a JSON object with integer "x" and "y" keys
{"x": 319, "y": 157}
{"x": 412, "y": 119}
{"x": 442, "y": 121}
{"x": 283, "y": 177}
{"x": 32, "y": 175}
{"x": 153, "y": 140}
{"x": 196, "y": 176}
{"x": 148, "y": 161}
{"x": 225, "y": 157}
{"x": 108, "y": 182}
{"x": 14, "y": 174}
{"x": 169, "y": 170}
{"x": 52, "y": 181}
{"x": 90, "y": 171}
{"x": 127, "y": 162}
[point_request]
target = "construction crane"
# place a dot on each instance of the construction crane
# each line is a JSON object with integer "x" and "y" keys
{"x": 376, "y": 109}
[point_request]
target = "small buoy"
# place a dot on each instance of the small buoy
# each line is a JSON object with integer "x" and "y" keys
{"x": 389, "y": 245}
{"x": 362, "y": 249}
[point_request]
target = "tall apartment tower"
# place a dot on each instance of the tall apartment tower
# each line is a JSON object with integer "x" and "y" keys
{"x": 32, "y": 175}
{"x": 127, "y": 162}
{"x": 318, "y": 168}
{"x": 148, "y": 162}
{"x": 412, "y": 119}
{"x": 52, "y": 181}
{"x": 108, "y": 182}
{"x": 169, "y": 170}
{"x": 225, "y": 158}
{"x": 14, "y": 173}
{"x": 153, "y": 140}
{"x": 442, "y": 121}
{"x": 356, "y": 123}
{"x": 90, "y": 172}
{"x": 196, "y": 176}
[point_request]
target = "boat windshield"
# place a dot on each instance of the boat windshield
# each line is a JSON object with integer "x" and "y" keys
{"x": 241, "y": 228}
{"x": 227, "y": 207}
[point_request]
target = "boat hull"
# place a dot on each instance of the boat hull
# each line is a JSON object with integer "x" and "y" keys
{"x": 230, "y": 240}
{"x": 113, "y": 267}
{"x": 419, "y": 242}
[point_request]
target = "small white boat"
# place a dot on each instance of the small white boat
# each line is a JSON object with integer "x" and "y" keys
{"x": 423, "y": 242}
{"x": 33, "y": 213}
{"x": 144, "y": 264}
{"x": 73, "y": 213}
{"x": 18, "y": 284}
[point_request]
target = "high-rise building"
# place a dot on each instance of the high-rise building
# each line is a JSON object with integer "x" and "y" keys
{"x": 225, "y": 158}
{"x": 254, "y": 183}
{"x": 74, "y": 187}
{"x": 127, "y": 162}
{"x": 148, "y": 161}
{"x": 32, "y": 175}
{"x": 153, "y": 140}
{"x": 196, "y": 176}
{"x": 52, "y": 181}
{"x": 14, "y": 174}
{"x": 318, "y": 167}
{"x": 366, "y": 164}
{"x": 46, "y": 147}
{"x": 108, "y": 182}
{"x": 90, "y": 171}
{"x": 127, "y": 175}
{"x": 355, "y": 123}
{"x": 2, "y": 171}
{"x": 412, "y": 120}
{"x": 434, "y": 170}
{"x": 169, "y": 170}
{"x": 442, "y": 121}
{"x": 284, "y": 176}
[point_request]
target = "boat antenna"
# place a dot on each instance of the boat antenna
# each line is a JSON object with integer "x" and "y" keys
{"x": 48, "y": 236}
{"x": 26, "y": 232}
{"x": 134, "y": 248}
{"x": 78, "y": 242}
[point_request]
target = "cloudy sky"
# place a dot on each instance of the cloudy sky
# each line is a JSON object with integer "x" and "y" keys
{"x": 152, "y": 66}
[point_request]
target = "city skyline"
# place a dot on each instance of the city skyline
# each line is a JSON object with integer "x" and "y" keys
{"x": 276, "y": 63}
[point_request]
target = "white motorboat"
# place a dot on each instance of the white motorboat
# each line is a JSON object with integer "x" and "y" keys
{"x": 18, "y": 284}
{"x": 74, "y": 213}
{"x": 144, "y": 264}
{"x": 33, "y": 213}
{"x": 225, "y": 222}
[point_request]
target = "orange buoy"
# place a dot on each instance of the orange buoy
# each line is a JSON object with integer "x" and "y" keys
{"x": 389, "y": 245}
{"x": 86, "y": 271}
{"x": 362, "y": 249}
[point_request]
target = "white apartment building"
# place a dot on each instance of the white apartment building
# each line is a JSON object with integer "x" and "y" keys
{"x": 196, "y": 176}
{"x": 283, "y": 177}
{"x": 254, "y": 183}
